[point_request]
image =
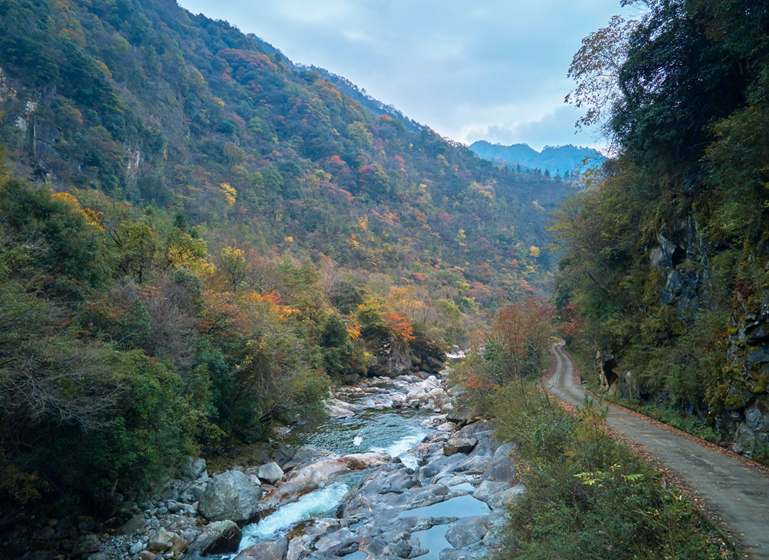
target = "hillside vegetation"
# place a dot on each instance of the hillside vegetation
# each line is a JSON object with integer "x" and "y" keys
{"x": 665, "y": 272}
{"x": 197, "y": 238}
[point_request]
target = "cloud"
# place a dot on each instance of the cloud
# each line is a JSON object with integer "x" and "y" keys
{"x": 494, "y": 66}
{"x": 554, "y": 129}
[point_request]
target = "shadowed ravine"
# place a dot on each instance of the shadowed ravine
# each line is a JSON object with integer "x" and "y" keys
{"x": 737, "y": 494}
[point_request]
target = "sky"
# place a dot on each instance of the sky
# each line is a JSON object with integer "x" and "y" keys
{"x": 490, "y": 70}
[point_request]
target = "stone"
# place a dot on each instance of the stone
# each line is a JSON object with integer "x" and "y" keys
{"x": 136, "y": 547}
{"x": 160, "y": 541}
{"x": 461, "y": 415}
{"x": 231, "y": 495}
{"x": 296, "y": 549}
{"x": 179, "y": 547}
{"x": 270, "y": 473}
{"x": 147, "y": 555}
{"x": 193, "y": 468}
{"x": 467, "y": 530}
{"x": 459, "y": 445}
{"x": 502, "y": 468}
{"x": 274, "y": 550}
{"x": 89, "y": 543}
{"x": 320, "y": 473}
{"x": 498, "y": 495}
{"x": 219, "y": 537}
{"x": 97, "y": 556}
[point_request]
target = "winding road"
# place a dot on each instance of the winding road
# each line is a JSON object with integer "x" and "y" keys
{"x": 737, "y": 494}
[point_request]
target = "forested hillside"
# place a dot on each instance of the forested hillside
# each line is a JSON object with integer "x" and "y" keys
{"x": 196, "y": 239}
{"x": 665, "y": 272}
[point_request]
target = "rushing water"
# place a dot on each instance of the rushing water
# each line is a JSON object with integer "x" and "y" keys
{"x": 372, "y": 428}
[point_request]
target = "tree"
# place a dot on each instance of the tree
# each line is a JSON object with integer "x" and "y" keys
{"x": 596, "y": 67}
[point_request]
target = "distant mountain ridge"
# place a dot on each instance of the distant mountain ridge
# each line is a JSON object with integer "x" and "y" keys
{"x": 553, "y": 158}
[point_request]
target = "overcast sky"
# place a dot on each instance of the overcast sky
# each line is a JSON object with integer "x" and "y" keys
{"x": 471, "y": 70}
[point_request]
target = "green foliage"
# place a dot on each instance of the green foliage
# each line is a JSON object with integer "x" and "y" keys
{"x": 588, "y": 497}
{"x": 666, "y": 254}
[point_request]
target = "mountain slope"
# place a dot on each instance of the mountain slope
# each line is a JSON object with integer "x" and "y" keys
{"x": 555, "y": 159}
{"x": 151, "y": 104}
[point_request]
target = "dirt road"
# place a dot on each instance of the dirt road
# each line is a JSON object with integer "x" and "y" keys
{"x": 735, "y": 492}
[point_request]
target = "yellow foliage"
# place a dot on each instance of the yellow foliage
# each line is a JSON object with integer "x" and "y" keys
{"x": 230, "y": 194}
{"x": 534, "y": 251}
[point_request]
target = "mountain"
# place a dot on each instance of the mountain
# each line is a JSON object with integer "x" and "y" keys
{"x": 555, "y": 159}
{"x": 197, "y": 237}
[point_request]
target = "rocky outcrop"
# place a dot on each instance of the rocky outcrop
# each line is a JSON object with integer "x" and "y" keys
{"x": 391, "y": 359}
{"x": 231, "y": 495}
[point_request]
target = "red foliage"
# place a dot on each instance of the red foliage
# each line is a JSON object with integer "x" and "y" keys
{"x": 400, "y": 326}
{"x": 399, "y": 160}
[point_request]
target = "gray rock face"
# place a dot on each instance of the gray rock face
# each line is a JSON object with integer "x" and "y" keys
{"x": 461, "y": 415}
{"x": 391, "y": 360}
{"x": 270, "y": 473}
{"x": 502, "y": 468}
{"x": 459, "y": 445}
{"x": 193, "y": 468}
{"x": 498, "y": 495}
{"x": 231, "y": 495}
{"x": 219, "y": 537}
{"x": 467, "y": 530}
{"x": 274, "y": 550}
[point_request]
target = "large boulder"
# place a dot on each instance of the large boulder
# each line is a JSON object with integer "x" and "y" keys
{"x": 459, "y": 445}
{"x": 468, "y": 530}
{"x": 231, "y": 495}
{"x": 220, "y": 537}
{"x": 498, "y": 495}
{"x": 391, "y": 360}
{"x": 461, "y": 415}
{"x": 502, "y": 466}
{"x": 193, "y": 468}
{"x": 161, "y": 541}
{"x": 270, "y": 473}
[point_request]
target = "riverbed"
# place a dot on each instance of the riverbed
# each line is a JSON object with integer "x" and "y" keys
{"x": 440, "y": 494}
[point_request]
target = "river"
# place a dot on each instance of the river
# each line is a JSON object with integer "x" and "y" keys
{"x": 421, "y": 495}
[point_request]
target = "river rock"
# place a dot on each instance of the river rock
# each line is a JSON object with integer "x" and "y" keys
{"x": 502, "y": 468}
{"x": 467, "y": 530}
{"x": 219, "y": 537}
{"x": 160, "y": 541}
{"x": 89, "y": 543}
{"x": 459, "y": 445}
{"x": 193, "y": 468}
{"x": 319, "y": 474}
{"x": 274, "y": 550}
{"x": 498, "y": 495}
{"x": 136, "y": 523}
{"x": 461, "y": 415}
{"x": 231, "y": 495}
{"x": 270, "y": 473}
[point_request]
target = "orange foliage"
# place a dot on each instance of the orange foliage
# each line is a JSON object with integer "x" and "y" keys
{"x": 400, "y": 326}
